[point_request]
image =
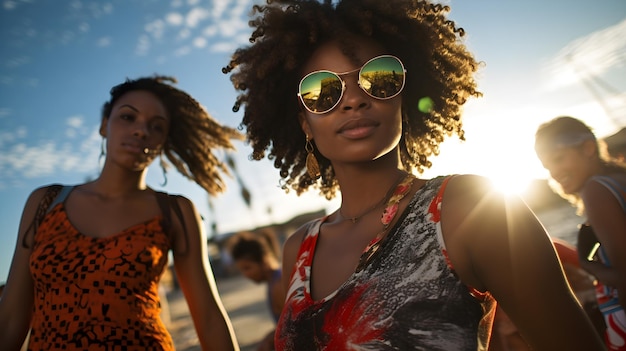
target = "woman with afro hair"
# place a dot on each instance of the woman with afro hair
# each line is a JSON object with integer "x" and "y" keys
{"x": 354, "y": 97}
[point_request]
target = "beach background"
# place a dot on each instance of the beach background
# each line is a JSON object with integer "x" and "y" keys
{"x": 246, "y": 306}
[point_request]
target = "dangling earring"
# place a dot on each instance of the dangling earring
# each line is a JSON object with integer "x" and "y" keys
{"x": 163, "y": 168}
{"x": 102, "y": 150}
{"x": 312, "y": 166}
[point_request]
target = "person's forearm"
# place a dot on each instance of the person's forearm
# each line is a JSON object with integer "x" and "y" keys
{"x": 219, "y": 336}
{"x": 606, "y": 275}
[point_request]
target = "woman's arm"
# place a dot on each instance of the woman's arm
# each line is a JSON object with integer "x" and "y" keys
{"x": 496, "y": 244}
{"x": 196, "y": 280}
{"x": 16, "y": 303}
{"x": 607, "y": 218}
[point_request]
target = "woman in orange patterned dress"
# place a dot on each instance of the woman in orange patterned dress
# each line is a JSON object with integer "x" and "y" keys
{"x": 86, "y": 276}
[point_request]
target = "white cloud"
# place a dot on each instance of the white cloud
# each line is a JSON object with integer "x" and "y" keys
{"x": 223, "y": 47}
{"x": 107, "y": 8}
{"x": 199, "y": 42}
{"x": 84, "y": 27}
{"x": 219, "y": 7}
{"x": 174, "y": 18}
{"x": 75, "y": 122}
{"x": 156, "y": 28}
{"x": 182, "y": 51}
{"x": 6, "y": 137}
{"x": 31, "y": 82}
{"x": 184, "y": 34}
{"x": 67, "y": 37}
{"x": 4, "y": 112}
{"x": 104, "y": 42}
{"x": 241, "y": 9}
{"x": 21, "y": 132}
{"x": 18, "y": 61}
{"x": 9, "y": 5}
{"x": 209, "y": 31}
{"x": 6, "y": 80}
{"x": 232, "y": 27}
{"x": 220, "y": 20}
{"x": 143, "y": 45}
{"x": 195, "y": 16}
{"x": 46, "y": 158}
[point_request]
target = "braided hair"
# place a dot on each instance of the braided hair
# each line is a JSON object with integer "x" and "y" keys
{"x": 193, "y": 133}
{"x": 287, "y": 32}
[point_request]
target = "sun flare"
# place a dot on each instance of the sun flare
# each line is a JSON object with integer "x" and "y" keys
{"x": 510, "y": 185}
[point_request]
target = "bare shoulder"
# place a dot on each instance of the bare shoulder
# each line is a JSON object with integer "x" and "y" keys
{"x": 293, "y": 242}
{"x": 37, "y": 194}
{"x": 464, "y": 193}
{"x": 187, "y": 215}
{"x": 187, "y": 229}
{"x": 475, "y": 222}
{"x": 183, "y": 202}
{"x": 467, "y": 186}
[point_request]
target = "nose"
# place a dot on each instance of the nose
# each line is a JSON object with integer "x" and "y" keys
{"x": 141, "y": 130}
{"x": 354, "y": 98}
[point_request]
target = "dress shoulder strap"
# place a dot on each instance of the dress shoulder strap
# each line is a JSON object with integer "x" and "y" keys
{"x": 616, "y": 189}
{"x": 167, "y": 203}
{"x": 47, "y": 202}
{"x": 62, "y": 194}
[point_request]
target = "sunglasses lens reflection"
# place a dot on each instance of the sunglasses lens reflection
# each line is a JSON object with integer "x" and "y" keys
{"x": 320, "y": 91}
{"x": 382, "y": 77}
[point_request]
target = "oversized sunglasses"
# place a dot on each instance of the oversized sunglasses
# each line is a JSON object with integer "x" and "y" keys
{"x": 381, "y": 78}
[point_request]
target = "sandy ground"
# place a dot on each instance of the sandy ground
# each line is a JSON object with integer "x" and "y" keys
{"x": 246, "y": 306}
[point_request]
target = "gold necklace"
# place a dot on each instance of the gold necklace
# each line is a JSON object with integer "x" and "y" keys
{"x": 354, "y": 219}
{"x": 389, "y": 213}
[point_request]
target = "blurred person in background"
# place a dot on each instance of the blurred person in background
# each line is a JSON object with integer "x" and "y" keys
{"x": 596, "y": 185}
{"x": 257, "y": 256}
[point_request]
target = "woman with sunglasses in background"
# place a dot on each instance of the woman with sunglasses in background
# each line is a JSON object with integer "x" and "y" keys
{"x": 354, "y": 97}
{"x": 596, "y": 185}
{"x": 88, "y": 260}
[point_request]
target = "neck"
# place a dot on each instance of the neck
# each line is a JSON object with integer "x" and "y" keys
{"x": 114, "y": 184}
{"x": 356, "y": 203}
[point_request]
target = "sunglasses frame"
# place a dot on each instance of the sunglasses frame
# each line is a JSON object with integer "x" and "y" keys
{"x": 343, "y": 83}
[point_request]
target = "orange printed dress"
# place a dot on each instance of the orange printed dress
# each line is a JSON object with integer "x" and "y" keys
{"x": 97, "y": 293}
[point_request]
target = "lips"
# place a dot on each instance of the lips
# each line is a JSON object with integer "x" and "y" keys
{"x": 134, "y": 148}
{"x": 355, "y": 125}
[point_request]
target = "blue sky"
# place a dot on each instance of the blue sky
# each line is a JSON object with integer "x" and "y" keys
{"x": 58, "y": 59}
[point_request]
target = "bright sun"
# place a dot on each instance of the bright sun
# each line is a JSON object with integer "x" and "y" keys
{"x": 509, "y": 185}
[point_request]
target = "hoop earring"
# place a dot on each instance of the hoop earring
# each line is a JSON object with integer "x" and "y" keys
{"x": 163, "y": 168}
{"x": 312, "y": 166}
